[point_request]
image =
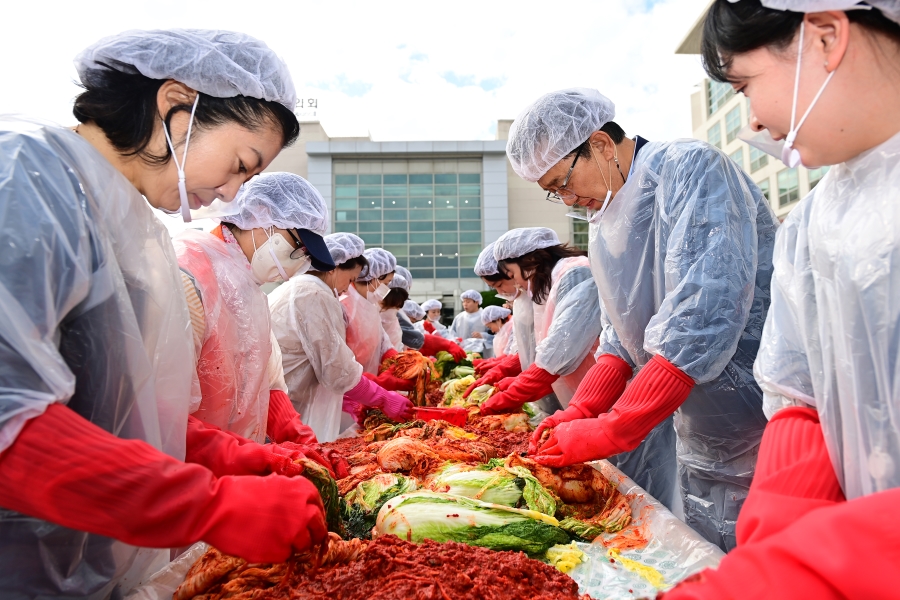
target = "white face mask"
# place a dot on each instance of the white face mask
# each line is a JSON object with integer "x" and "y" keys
{"x": 272, "y": 261}
{"x": 182, "y": 189}
{"x": 378, "y": 294}
{"x": 510, "y": 298}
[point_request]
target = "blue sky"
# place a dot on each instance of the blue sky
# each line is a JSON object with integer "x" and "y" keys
{"x": 400, "y": 70}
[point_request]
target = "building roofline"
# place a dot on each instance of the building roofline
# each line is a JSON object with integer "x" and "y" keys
{"x": 691, "y": 42}
{"x": 450, "y": 148}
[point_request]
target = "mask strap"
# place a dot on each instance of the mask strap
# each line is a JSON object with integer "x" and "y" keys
{"x": 182, "y": 189}
{"x": 599, "y": 213}
{"x": 792, "y": 134}
{"x": 281, "y": 271}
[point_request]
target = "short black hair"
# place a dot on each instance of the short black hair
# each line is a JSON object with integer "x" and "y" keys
{"x": 612, "y": 129}
{"x": 395, "y": 298}
{"x": 537, "y": 266}
{"x": 732, "y": 28}
{"x": 124, "y": 106}
{"x": 357, "y": 261}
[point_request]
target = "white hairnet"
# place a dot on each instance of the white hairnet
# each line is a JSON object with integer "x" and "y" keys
{"x": 553, "y": 126}
{"x": 413, "y": 310}
{"x": 282, "y": 200}
{"x": 222, "y": 64}
{"x": 402, "y": 279}
{"x": 471, "y": 295}
{"x": 518, "y": 242}
{"x": 492, "y": 313}
{"x": 431, "y": 305}
{"x": 399, "y": 281}
{"x": 344, "y": 246}
{"x": 381, "y": 262}
{"x": 890, "y": 8}
{"x": 486, "y": 263}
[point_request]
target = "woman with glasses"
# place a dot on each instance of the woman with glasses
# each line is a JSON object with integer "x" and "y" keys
{"x": 681, "y": 251}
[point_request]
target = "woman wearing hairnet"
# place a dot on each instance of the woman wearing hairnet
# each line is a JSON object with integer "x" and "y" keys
{"x": 680, "y": 248}
{"x": 322, "y": 374}
{"x": 95, "y": 350}
{"x": 413, "y": 311}
{"x": 401, "y": 330}
{"x": 498, "y": 325}
{"x": 468, "y": 323}
{"x": 828, "y": 477}
{"x": 432, "y": 323}
{"x": 508, "y": 365}
{"x": 277, "y": 234}
{"x": 362, "y": 303}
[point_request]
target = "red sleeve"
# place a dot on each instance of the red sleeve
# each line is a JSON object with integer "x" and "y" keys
{"x": 284, "y": 423}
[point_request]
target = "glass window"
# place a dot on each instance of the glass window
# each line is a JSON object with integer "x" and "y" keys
{"x": 445, "y": 178}
{"x": 365, "y": 226}
{"x": 369, "y": 203}
{"x": 344, "y": 179}
{"x": 470, "y": 225}
{"x": 345, "y": 215}
{"x": 392, "y": 179}
{"x": 470, "y": 202}
{"x": 421, "y": 214}
{"x": 421, "y": 225}
{"x": 370, "y": 215}
{"x": 417, "y": 262}
{"x": 446, "y": 214}
{"x": 718, "y": 94}
{"x": 470, "y": 249}
{"x": 446, "y": 261}
{"x": 345, "y": 203}
{"x": 371, "y": 239}
{"x": 421, "y": 190}
{"x": 394, "y": 191}
{"x": 421, "y": 178}
{"x": 345, "y": 191}
{"x": 421, "y": 250}
{"x": 395, "y": 227}
{"x": 713, "y": 136}
{"x": 470, "y": 190}
{"x": 396, "y": 215}
{"x": 421, "y": 238}
{"x": 447, "y": 273}
{"x": 422, "y": 273}
{"x": 788, "y": 187}
{"x": 445, "y": 226}
{"x": 758, "y": 159}
{"x": 470, "y": 177}
{"x": 370, "y": 190}
{"x": 764, "y": 188}
{"x": 395, "y": 202}
{"x": 445, "y": 190}
{"x": 396, "y": 249}
{"x": 470, "y": 236}
{"x": 421, "y": 202}
{"x": 816, "y": 175}
{"x": 738, "y": 157}
{"x": 447, "y": 249}
{"x": 470, "y": 213}
{"x": 444, "y": 238}
{"x": 395, "y": 238}
{"x": 370, "y": 179}
{"x": 580, "y": 234}
{"x": 468, "y": 261}
{"x": 733, "y": 123}
{"x": 345, "y": 226}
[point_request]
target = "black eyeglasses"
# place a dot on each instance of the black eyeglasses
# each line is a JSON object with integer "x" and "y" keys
{"x": 300, "y": 249}
{"x": 566, "y": 194}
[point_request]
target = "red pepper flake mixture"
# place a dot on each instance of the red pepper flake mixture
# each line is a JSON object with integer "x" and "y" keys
{"x": 390, "y": 568}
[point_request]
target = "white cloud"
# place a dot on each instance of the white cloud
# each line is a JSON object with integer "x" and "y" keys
{"x": 400, "y": 70}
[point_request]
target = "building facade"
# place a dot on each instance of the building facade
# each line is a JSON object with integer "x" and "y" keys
{"x": 434, "y": 205}
{"x": 718, "y": 115}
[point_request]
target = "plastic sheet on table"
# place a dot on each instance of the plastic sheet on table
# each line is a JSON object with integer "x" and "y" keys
{"x": 162, "y": 584}
{"x": 656, "y": 538}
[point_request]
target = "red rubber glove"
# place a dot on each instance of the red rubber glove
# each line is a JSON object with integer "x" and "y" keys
{"x": 339, "y": 464}
{"x": 793, "y": 476}
{"x": 597, "y": 392}
{"x": 657, "y": 391}
{"x": 391, "y": 382}
{"x": 63, "y": 469}
{"x": 533, "y": 384}
{"x": 389, "y": 353}
{"x": 435, "y": 343}
{"x": 847, "y": 550}
{"x": 508, "y": 366}
{"x": 284, "y": 424}
{"x": 427, "y": 326}
{"x": 226, "y": 453}
{"x": 483, "y": 365}
{"x": 367, "y": 393}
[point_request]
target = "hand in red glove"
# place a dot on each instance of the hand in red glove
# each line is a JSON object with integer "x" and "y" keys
{"x": 63, "y": 469}
{"x": 483, "y": 365}
{"x": 389, "y": 353}
{"x": 339, "y": 464}
{"x": 435, "y": 343}
{"x": 284, "y": 423}
{"x": 846, "y": 550}
{"x": 657, "y": 391}
{"x": 794, "y": 475}
{"x": 391, "y": 382}
{"x": 427, "y": 326}
{"x": 508, "y": 366}
{"x": 223, "y": 453}
{"x": 597, "y": 392}
{"x": 294, "y": 452}
{"x": 367, "y": 393}
{"x": 533, "y": 384}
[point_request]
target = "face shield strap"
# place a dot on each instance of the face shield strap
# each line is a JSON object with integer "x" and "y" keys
{"x": 182, "y": 189}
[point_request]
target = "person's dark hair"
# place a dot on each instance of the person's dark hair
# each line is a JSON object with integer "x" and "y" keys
{"x": 735, "y": 28}
{"x": 496, "y": 277}
{"x": 537, "y": 266}
{"x": 395, "y": 298}
{"x": 357, "y": 261}
{"x": 124, "y": 106}
{"x": 612, "y": 129}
